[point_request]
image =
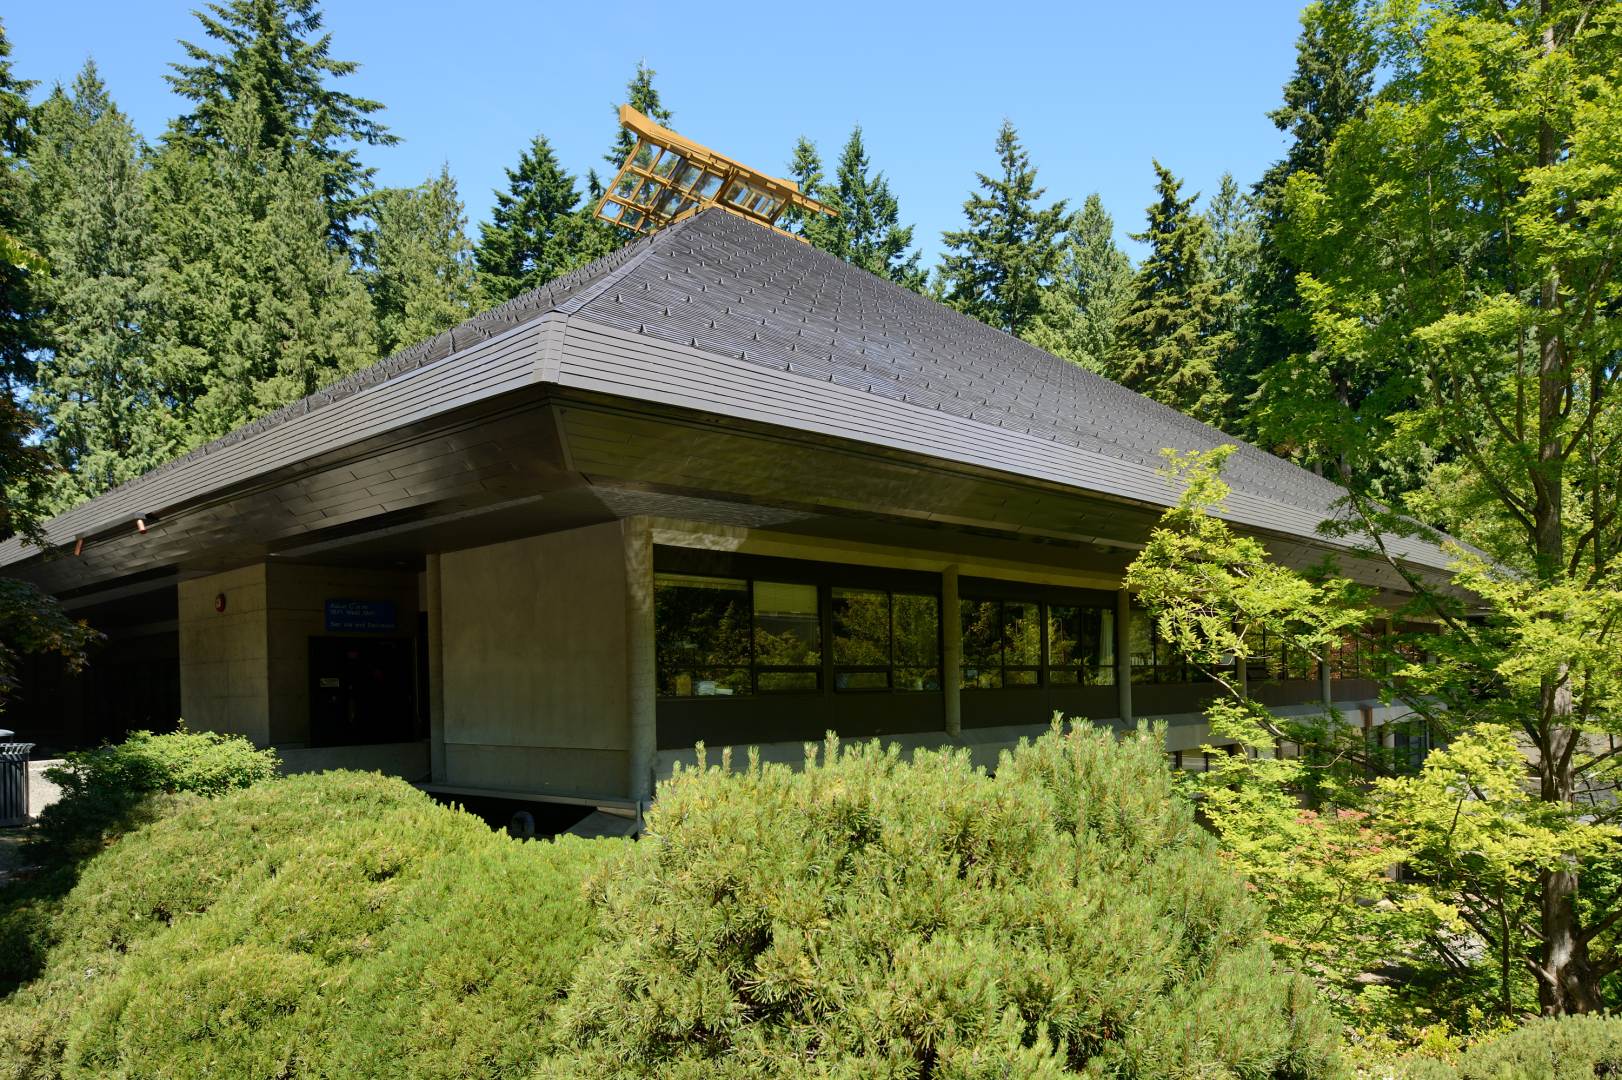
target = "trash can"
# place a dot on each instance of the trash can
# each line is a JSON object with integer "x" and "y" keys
{"x": 14, "y": 782}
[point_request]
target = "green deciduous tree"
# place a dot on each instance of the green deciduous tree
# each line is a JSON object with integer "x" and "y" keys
{"x": 104, "y": 412}
{"x": 1171, "y": 338}
{"x": 997, "y": 268}
{"x": 1082, "y": 311}
{"x": 274, "y": 54}
{"x": 421, "y": 263}
{"x": 1459, "y": 250}
{"x": 538, "y": 228}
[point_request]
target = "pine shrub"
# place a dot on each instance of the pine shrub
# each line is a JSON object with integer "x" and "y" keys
{"x": 872, "y": 916}
{"x": 1565, "y": 1048}
{"x": 338, "y": 925}
{"x": 108, "y": 790}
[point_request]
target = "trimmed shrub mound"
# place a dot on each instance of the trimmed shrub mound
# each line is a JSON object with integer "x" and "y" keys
{"x": 1563, "y": 1048}
{"x": 338, "y": 925}
{"x": 106, "y": 791}
{"x": 876, "y": 917}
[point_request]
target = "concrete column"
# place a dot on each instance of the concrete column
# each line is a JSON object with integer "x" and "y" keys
{"x": 641, "y": 698}
{"x": 436, "y": 672}
{"x": 1325, "y": 687}
{"x": 951, "y": 652}
{"x": 1123, "y": 655}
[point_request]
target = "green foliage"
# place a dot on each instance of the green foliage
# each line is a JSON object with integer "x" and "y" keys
{"x": 867, "y": 232}
{"x": 277, "y": 59}
{"x": 104, "y": 409}
{"x": 106, "y": 791}
{"x": 33, "y": 623}
{"x": 997, "y": 268}
{"x": 21, "y": 264}
{"x": 537, "y": 230}
{"x": 421, "y": 263}
{"x": 1081, "y": 313}
{"x": 1553, "y": 1048}
{"x": 872, "y": 916}
{"x": 338, "y": 924}
{"x": 260, "y": 309}
{"x": 1171, "y": 337}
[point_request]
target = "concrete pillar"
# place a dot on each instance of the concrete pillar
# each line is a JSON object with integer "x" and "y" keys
{"x": 951, "y": 652}
{"x": 641, "y": 697}
{"x": 1123, "y": 655}
{"x": 436, "y": 671}
{"x": 1326, "y": 688}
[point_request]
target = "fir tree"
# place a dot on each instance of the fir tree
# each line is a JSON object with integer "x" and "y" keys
{"x": 260, "y": 310}
{"x": 1081, "y": 312}
{"x": 1170, "y": 340}
{"x": 276, "y": 56}
{"x": 21, "y": 264}
{"x": 867, "y": 232}
{"x": 805, "y": 169}
{"x": 1331, "y": 86}
{"x": 643, "y": 96}
{"x": 997, "y": 268}
{"x": 106, "y": 417}
{"x": 538, "y": 229}
{"x": 421, "y": 263}
{"x": 1231, "y": 262}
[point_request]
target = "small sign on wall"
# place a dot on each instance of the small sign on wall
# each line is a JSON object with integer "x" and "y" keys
{"x": 360, "y": 616}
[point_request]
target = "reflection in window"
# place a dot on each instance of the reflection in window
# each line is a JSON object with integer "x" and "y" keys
{"x": 1154, "y": 660}
{"x": 788, "y": 637}
{"x": 917, "y": 642}
{"x": 701, "y": 635}
{"x": 1081, "y": 645}
{"x": 1273, "y": 659}
{"x": 1002, "y": 643}
{"x": 885, "y": 641}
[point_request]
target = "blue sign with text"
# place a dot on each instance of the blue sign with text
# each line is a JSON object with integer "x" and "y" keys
{"x": 360, "y": 616}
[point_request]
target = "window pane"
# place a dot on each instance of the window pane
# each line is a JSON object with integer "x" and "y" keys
{"x": 1081, "y": 645}
{"x": 861, "y": 628}
{"x": 917, "y": 622}
{"x": 1022, "y": 633}
{"x": 982, "y": 643}
{"x": 1141, "y": 646}
{"x": 788, "y": 632}
{"x": 701, "y": 635}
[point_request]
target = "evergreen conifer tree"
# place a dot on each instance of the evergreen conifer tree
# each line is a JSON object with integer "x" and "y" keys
{"x": 867, "y": 231}
{"x": 1231, "y": 260}
{"x": 997, "y": 267}
{"x": 275, "y": 55}
{"x": 1170, "y": 338}
{"x": 538, "y": 228}
{"x": 805, "y": 169}
{"x": 21, "y": 264}
{"x": 421, "y": 263}
{"x": 104, "y": 413}
{"x": 1331, "y": 85}
{"x": 1082, "y": 310}
{"x": 590, "y": 236}
{"x": 643, "y": 96}
{"x": 259, "y": 308}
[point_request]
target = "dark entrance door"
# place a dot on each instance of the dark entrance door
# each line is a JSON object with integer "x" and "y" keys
{"x": 362, "y": 690}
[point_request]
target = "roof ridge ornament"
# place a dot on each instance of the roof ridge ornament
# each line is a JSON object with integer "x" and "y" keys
{"x": 668, "y": 178}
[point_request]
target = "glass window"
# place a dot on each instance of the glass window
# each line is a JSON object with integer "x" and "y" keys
{"x": 861, "y": 639}
{"x": 701, "y": 635}
{"x": 788, "y": 637}
{"x": 709, "y": 186}
{"x": 1081, "y": 645}
{"x": 646, "y": 155}
{"x": 627, "y": 184}
{"x": 1154, "y": 660}
{"x": 917, "y": 622}
{"x": 668, "y": 164}
{"x": 982, "y": 644}
{"x": 689, "y": 172}
{"x": 1022, "y": 642}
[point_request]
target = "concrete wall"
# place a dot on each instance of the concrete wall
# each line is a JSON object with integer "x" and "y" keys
{"x": 224, "y": 656}
{"x": 297, "y": 595}
{"x": 534, "y": 649}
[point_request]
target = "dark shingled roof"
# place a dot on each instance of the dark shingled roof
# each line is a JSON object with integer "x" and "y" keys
{"x": 723, "y": 285}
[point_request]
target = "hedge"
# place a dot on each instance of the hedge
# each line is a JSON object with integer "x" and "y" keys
{"x": 873, "y": 916}
{"x": 340, "y": 925}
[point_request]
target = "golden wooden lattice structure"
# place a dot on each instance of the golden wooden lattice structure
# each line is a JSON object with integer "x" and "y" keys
{"x": 667, "y": 178}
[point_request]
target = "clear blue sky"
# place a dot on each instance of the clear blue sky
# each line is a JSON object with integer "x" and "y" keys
{"x": 1095, "y": 89}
